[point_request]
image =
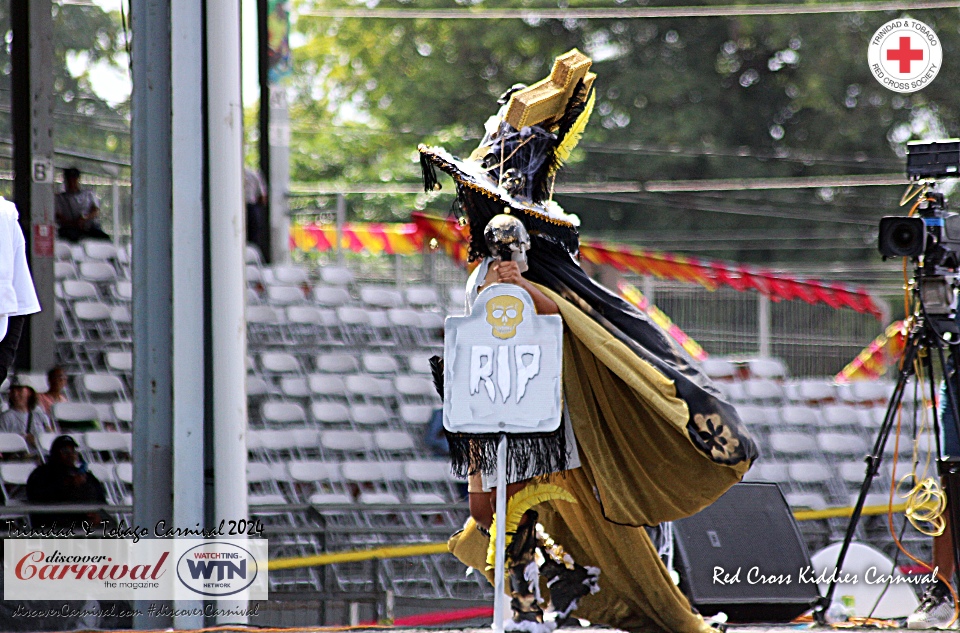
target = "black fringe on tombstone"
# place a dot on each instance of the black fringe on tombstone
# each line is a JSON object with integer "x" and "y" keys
{"x": 429, "y": 173}
{"x": 436, "y": 368}
{"x": 528, "y": 454}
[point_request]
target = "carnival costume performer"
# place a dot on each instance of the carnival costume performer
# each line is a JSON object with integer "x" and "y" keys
{"x": 654, "y": 441}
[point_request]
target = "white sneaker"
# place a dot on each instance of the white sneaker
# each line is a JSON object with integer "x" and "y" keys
{"x": 935, "y": 610}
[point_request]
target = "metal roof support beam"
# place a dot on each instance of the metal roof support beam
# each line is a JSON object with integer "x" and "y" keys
{"x": 169, "y": 215}
{"x": 32, "y": 105}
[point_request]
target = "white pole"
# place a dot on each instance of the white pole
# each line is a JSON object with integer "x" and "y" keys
{"x": 501, "y": 542}
{"x": 227, "y": 250}
{"x": 279, "y": 139}
{"x": 341, "y": 220}
{"x": 650, "y": 289}
{"x": 187, "y": 256}
{"x": 115, "y": 209}
{"x": 763, "y": 323}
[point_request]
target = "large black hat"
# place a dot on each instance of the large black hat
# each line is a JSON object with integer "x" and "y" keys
{"x": 526, "y": 142}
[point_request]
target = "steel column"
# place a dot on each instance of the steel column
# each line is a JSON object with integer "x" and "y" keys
{"x": 226, "y": 263}
{"x": 32, "y": 105}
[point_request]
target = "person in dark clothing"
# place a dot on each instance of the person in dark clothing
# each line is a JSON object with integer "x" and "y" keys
{"x": 434, "y": 437}
{"x": 77, "y": 210}
{"x": 64, "y": 479}
{"x": 9, "y": 344}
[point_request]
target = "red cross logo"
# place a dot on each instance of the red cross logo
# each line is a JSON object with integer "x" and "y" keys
{"x": 905, "y": 55}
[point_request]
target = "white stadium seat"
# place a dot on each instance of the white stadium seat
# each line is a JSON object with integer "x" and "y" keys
{"x": 766, "y": 368}
{"x": 252, "y": 255}
{"x": 283, "y": 413}
{"x": 99, "y": 250}
{"x": 76, "y": 412}
{"x": 369, "y": 414}
{"x": 331, "y": 297}
{"x": 416, "y": 414}
{"x": 330, "y": 385}
{"x": 719, "y": 368}
{"x": 279, "y": 363}
{"x": 330, "y": 412}
{"x": 336, "y": 276}
{"x": 380, "y": 297}
{"x": 289, "y": 275}
{"x": 422, "y": 297}
{"x": 97, "y": 271}
{"x": 380, "y": 364}
{"x": 284, "y": 295}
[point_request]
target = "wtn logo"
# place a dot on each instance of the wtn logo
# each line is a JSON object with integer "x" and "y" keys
{"x": 217, "y": 568}
{"x": 224, "y": 568}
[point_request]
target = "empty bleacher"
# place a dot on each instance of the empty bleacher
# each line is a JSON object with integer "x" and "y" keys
{"x": 813, "y": 437}
{"x": 339, "y": 393}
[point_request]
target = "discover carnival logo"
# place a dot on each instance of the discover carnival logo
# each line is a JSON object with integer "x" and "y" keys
{"x": 905, "y": 55}
{"x": 217, "y": 569}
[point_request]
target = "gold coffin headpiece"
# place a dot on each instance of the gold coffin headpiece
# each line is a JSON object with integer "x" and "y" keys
{"x": 545, "y": 101}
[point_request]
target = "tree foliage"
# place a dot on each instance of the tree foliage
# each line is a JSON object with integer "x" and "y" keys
{"x": 777, "y": 96}
{"x": 84, "y": 35}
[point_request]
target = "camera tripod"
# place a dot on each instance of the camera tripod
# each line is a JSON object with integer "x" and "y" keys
{"x": 928, "y": 335}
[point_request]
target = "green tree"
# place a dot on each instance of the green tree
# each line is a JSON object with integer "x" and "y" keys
{"x": 82, "y": 120}
{"x": 777, "y": 96}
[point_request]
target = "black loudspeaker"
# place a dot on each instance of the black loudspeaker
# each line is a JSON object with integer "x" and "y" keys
{"x": 744, "y": 555}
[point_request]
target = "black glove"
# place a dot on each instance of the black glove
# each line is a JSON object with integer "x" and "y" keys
{"x": 436, "y": 366}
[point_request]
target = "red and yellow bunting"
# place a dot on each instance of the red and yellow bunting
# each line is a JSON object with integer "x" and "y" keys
{"x": 873, "y": 361}
{"x": 373, "y": 238}
{"x": 713, "y": 274}
{"x": 634, "y": 296}
{"x": 446, "y": 233}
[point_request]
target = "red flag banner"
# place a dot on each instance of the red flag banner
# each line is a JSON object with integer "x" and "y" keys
{"x": 447, "y": 234}
{"x": 372, "y": 237}
{"x": 707, "y": 273}
{"x": 873, "y": 361}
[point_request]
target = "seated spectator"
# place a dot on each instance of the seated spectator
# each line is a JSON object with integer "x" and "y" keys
{"x": 77, "y": 210}
{"x": 64, "y": 478}
{"x": 56, "y": 383}
{"x": 24, "y": 417}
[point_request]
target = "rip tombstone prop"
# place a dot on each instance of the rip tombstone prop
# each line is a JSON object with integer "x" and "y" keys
{"x": 502, "y": 377}
{"x": 502, "y": 366}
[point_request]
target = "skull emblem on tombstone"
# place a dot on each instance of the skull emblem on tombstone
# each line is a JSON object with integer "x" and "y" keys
{"x": 504, "y": 313}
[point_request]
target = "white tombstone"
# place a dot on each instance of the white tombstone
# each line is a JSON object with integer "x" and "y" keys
{"x": 502, "y": 366}
{"x": 502, "y": 374}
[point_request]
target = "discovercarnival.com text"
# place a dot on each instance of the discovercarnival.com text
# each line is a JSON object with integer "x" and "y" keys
{"x": 156, "y": 610}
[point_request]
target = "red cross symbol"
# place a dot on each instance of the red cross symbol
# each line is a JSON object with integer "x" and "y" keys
{"x": 905, "y": 54}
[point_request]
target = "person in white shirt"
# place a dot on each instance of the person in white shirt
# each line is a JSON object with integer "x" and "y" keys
{"x": 77, "y": 210}
{"x": 18, "y": 298}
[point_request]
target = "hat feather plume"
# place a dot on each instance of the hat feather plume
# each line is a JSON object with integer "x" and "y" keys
{"x": 572, "y": 137}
